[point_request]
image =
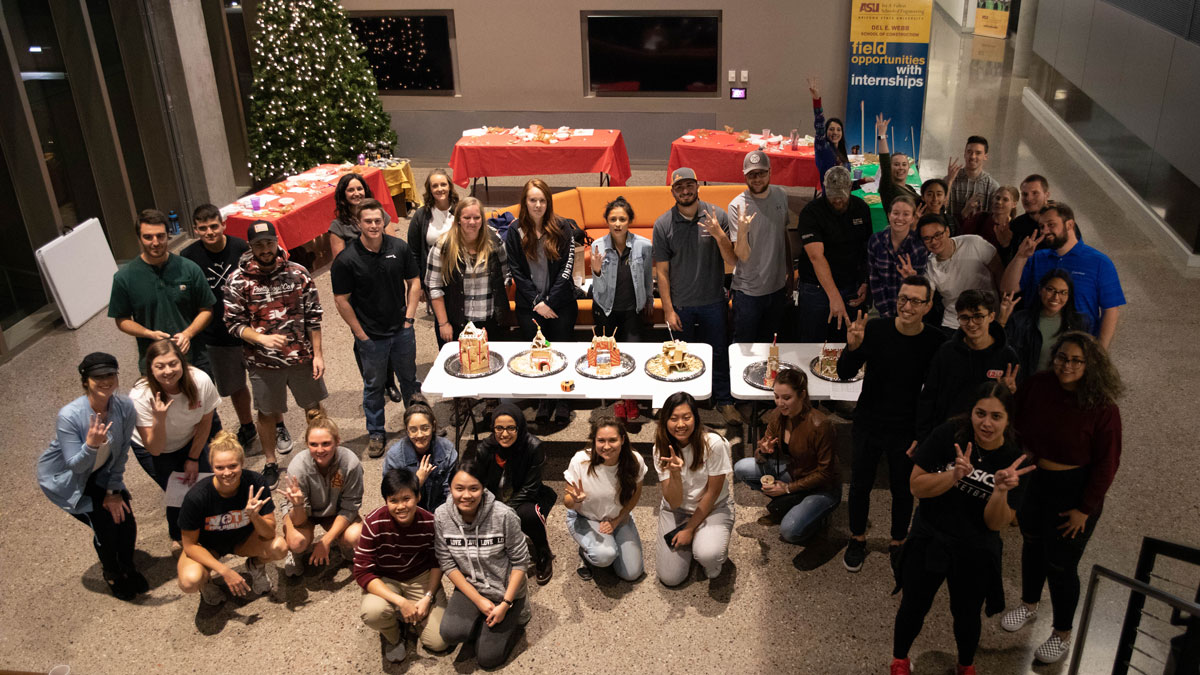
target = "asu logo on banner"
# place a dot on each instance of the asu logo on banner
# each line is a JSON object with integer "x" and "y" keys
{"x": 889, "y": 55}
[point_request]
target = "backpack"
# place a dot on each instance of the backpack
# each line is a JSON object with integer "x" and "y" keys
{"x": 501, "y": 222}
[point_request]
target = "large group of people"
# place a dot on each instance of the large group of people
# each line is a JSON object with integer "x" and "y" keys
{"x": 987, "y": 389}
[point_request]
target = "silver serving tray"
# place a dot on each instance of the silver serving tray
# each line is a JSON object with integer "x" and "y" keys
{"x": 558, "y": 363}
{"x": 754, "y": 373}
{"x": 812, "y": 367}
{"x": 454, "y": 366}
{"x": 675, "y": 375}
{"x": 626, "y": 367}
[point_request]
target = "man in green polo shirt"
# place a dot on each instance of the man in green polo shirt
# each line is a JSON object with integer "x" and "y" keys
{"x": 158, "y": 295}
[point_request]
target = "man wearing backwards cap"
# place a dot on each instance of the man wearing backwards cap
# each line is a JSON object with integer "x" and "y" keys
{"x": 690, "y": 248}
{"x": 834, "y": 229}
{"x": 272, "y": 304}
{"x": 763, "y": 276}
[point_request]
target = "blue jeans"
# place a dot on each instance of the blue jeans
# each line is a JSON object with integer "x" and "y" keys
{"x": 757, "y": 318}
{"x": 813, "y": 315}
{"x": 401, "y": 351}
{"x": 622, "y": 549}
{"x": 706, "y": 324}
{"x": 803, "y": 519}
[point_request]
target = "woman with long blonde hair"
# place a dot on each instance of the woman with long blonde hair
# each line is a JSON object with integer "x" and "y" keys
{"x": 467, "y": 273}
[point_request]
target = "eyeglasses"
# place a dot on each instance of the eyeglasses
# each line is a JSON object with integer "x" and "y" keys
{"x": 972, "y": 318}
{"x": 1062, "y": 360}
{"x": 933, "y": 237}
{"x": 905, "y": 300}
{"x": 505, "y": 430}
{"x": 1055, "y": 293}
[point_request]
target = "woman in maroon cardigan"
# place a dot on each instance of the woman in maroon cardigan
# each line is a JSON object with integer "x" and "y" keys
{"x": 1068, "y": 419}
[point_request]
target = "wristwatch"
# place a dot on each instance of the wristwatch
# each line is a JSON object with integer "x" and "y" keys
{"x": 409, "y": 320}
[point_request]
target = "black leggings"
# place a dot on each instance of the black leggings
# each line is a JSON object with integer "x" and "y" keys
{"x": 114, "y": 542}
{"x": 921, "y": 580}
{"x": 1047, "y": 556}
{"x": 533, "y": 520}
{"x": 868, "y": 447}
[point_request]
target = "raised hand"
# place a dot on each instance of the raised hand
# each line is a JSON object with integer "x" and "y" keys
{"x": 1007, "y": 302}
{"x": 97, "y": 433}
{"x": 920, "y": 210}
{"x": 1076, "y": 521}
{"x": 905, "y": 268}
{"x": 424, "y": 468}
{"x": 256, "y": 501}
{"x": 856, "y": 331}
{"x": 710, "y": 224}
{"x": 1009, "y": 478}
{"x": 575, "y": 491}
{"x": 974, "y": 203}
{"x": 952, "y": 169}
{"x": 671, "y": 462}
{"x": 743, "y": 220}
{"x": 293, "y": 493}
{"x": 881, "y": 125}
{"x": 1029, "y": 245}
{"x": 814, "y": 86}
{"x": 1009, "y": 378}
{"x": 766, "y": 445}
{"x": 160, "y": 404}
{"x": 962, "y": 462}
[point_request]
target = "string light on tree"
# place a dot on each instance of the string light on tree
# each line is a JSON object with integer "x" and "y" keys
{"x": 314, "y": 98}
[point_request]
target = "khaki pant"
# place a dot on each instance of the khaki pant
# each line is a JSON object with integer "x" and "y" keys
{"x": 385, "y": 617}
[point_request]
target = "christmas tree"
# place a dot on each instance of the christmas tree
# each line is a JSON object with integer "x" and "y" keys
{"x": 314, "y": 98}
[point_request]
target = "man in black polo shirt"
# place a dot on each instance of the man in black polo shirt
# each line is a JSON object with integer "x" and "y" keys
{"x": 376, "y": 287}
{"x": 834, "y": 229}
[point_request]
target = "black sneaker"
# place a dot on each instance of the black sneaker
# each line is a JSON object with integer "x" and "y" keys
{"x": 137, "y": 582}
{"x": 246, "y": 434}
{"x": 856, "y": 553}
{"x": 393, "y": 393}
{"x": 544, "y": 567}
{"x": 283, "y": 439}
{"x": 270, "y": 473}
{"x": 120, "y": 586}
{"x": 585, "y": 569}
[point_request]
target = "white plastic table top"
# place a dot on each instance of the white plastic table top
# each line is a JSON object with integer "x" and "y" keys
{"x": 504, "y": 384}
{"x": 742, "y": 354}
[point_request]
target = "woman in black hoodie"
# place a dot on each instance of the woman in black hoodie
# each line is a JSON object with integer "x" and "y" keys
{"x": 511, "y": 464}
{"x": 1051, "y": 313}
{"x": 541, "y": 256}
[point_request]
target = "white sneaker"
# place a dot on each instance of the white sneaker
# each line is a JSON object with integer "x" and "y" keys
{"x": 291, "y": 566}
{"x": 1052, "y": 650}
{"x": 259, "y": 582}
{"x": 211, "y": 593}
{"x": 1016, "y": 619}
{"x": 283, "y": 440}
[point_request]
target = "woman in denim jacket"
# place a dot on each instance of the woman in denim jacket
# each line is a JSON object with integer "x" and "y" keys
{"x": 622, "y": 283}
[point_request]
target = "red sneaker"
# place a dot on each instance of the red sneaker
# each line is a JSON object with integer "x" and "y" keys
{"x": 631, "y": 410}
{"x": 964, "y": 670}
{"x": 619, "y": 409}
{"x": 901, "y": 667}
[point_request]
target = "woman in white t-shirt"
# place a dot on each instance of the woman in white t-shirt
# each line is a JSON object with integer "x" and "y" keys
{"x": 604, "y": 483}
{"x": 696, "y": 515}
{"x": 956, "y": 264}
{"x": 175, "y": 406}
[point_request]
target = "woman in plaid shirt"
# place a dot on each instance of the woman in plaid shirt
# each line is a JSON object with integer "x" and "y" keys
{"x": 467, "y": 274}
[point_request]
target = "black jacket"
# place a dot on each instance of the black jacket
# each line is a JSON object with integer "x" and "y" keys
{"x": 521, "y": 474}
{"x": 955, "y": 373}
{"x": 1026, "y": 340}
{"x": 418, "y": 227}
{"x": 562, "y": 286}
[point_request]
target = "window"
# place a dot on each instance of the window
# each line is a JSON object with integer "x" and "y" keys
{"x": 409, "y": 53}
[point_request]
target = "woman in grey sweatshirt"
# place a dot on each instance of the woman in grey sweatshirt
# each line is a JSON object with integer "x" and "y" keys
{"x": 481, "y": 549}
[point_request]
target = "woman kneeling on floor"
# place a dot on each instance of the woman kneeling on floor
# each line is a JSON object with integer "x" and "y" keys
{"x": 604, "y": 483}
{"x": 324, "y": 487}
{"x": 967, "y": 476}
{"x": 397, "y": 569}
{"x": 230, "y": 513}
{"x": 696, "y": 516}
{"x": 803, "y": 484}
{"x": 482, "y": 550}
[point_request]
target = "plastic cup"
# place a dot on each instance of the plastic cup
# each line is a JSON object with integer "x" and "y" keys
{"x": 767, "y": 480}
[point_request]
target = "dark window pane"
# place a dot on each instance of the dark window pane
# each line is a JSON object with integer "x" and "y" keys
{"x": 407, "y": 53}
{"x": 21, "y": 291}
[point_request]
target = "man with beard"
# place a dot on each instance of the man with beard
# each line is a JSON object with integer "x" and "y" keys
{"x": 897, "y": 352}
{"x": 971, "y": 188}
{"x": 691, "y": 248}
{"x": 1098, "y": 293}
{"x": 159, "y": 295}
{"x": 758, "y": 230}
{"x": 272, "y": 304}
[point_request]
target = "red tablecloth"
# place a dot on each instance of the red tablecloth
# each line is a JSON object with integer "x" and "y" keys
{"x": 718, "y": 158}
{"x": 497, "y": 155}
{"x": 311, "y": 213}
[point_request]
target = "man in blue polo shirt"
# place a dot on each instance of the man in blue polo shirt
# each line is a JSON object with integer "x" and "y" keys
{"x": 1098, "y": 291}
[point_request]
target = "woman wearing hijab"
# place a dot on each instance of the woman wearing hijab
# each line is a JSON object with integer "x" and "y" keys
{"x": 511, "y": 463}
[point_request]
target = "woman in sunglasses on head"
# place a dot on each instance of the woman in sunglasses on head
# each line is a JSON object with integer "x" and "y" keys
{"x": 1069, "y": 421}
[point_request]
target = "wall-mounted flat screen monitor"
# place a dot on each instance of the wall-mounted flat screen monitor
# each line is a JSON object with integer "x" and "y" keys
{"x": 653, "y": 53}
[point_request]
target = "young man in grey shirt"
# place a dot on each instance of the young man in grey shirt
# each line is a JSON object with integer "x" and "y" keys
{"x": 758, "y": 229}
{"x": 690, "y": 249}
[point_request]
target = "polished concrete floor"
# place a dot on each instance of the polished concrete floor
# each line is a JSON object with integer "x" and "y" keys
{"x": 777, "y": 607}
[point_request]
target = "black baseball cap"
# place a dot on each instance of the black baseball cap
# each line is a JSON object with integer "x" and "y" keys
{"x": 260, "y": 229}
{"x": 98, "y": 364}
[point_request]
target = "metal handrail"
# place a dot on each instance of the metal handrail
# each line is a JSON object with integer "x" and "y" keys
{"x": 1179, "y": 605}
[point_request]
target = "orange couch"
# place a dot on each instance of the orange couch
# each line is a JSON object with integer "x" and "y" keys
{"x": 585, "y": 205}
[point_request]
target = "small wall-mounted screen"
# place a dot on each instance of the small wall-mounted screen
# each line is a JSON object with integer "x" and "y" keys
{"x": 737, "y": 92}
{"x": 653, "y": 53}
